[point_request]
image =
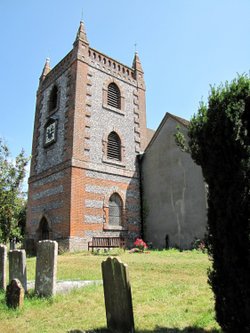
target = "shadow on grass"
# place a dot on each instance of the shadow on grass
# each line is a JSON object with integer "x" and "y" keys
{"x": 156, "y": 330}
{"x": 178, "y": 330}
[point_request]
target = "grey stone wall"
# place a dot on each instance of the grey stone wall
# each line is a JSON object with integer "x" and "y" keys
{"x": 174, "y": 198}
{"x": 75, "y": 243}
{"x": 48, "y": 192}
{"x": 49, "y": 179}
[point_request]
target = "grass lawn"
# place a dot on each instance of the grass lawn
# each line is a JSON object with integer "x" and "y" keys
{"x": 169, "y": 290}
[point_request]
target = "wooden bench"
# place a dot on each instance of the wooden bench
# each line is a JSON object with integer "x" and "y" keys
{"x": 106, "y": 243}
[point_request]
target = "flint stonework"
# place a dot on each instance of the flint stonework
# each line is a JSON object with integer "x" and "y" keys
{"x": 17, "y": 267}
{"x": 14, "y": 294}
{"x": 46, "y": 268}
{"x": 3, "y": 258}
{"x": 117, "y": 294}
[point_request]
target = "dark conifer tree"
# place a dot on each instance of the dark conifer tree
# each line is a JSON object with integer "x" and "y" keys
{"x": 219, "y": 141}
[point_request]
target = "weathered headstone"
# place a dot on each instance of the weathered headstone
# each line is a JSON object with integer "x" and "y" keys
{"x": 17, "y": 267}
{"x": 3, "y": 259}
{"x": 13, "y": 244}
{"x": 46, "y": 268}
{"x": 14, "y": 294}
{"x": 117, "y": 293}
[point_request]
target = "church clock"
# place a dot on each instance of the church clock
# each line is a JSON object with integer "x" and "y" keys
{"x": 50, "y": 133}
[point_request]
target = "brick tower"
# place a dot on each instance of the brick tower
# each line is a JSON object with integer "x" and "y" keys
{"x": 90, "y": 125}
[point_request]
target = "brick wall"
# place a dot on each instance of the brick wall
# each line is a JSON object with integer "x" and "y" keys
{"x": 72, "y": 180}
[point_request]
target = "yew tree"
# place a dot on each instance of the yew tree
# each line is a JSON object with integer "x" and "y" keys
{"x": 219, "y": 141}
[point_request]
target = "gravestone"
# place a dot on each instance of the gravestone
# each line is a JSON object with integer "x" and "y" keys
{"x": 3, "y": 259}
{"x": 14, "y": 294}
{"x": 117, "y": 294}
{"x": 17, "y": 267}
{"x": 13, "y": 244}
{"x": 46, "y": 268}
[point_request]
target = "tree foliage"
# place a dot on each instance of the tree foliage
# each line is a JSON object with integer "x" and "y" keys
{"x": 219, "y": 141}
{"x": 12, "y": 198}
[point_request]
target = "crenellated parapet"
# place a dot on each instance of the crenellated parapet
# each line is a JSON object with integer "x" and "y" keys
{"x": 97, "y": 60}
{"x": 82, "y": 52}
{"x": 111, "y": 66}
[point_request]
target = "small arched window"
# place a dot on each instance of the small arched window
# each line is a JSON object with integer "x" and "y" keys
{"x": 114, "y": 147}
{"x": 114, "y": 96}
{"x": 53, "y": 99}
{"x": 115, "y": 210}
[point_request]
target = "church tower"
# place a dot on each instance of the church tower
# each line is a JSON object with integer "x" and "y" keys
{"x": 90, "y": 126}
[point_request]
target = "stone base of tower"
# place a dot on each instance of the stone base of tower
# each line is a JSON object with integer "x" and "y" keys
{"x": 71, "y": 244}
{"x": 75, "y": 244}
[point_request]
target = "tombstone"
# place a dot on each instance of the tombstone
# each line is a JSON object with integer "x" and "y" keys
{"x": 117, "y": 294}
{"x": 13, "y": 244}
{"x": 14, "y": 294}
{"x": 46, "y": 267}
{"x": 17, "y": 267}
{"x": 3, "y": 259}
{"x": 30, "y": 247}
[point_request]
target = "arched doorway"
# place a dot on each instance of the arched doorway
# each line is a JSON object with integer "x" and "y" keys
{"x": 44, "y": 230}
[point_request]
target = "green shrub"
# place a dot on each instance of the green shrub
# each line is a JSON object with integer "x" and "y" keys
{"x": 220, "y": 143}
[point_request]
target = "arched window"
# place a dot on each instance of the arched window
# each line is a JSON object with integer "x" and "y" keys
{"x": 53, "y": 99}
{"x": 44, "y": 229}
{"x": 114, "y": 96}
{"x": 115, "y": 210}
{"x": 114, "y": 147}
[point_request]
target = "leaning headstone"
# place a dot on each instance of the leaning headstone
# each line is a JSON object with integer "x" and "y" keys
{"x": 3, "y": 259}
{"x": 46, "y": 268}
{"x": 14, "y": 294}
{"x": 117, "y": 294}
{"x": 17, "y": 267}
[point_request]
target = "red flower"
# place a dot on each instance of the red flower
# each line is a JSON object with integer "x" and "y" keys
{"x": 140, "y": 244}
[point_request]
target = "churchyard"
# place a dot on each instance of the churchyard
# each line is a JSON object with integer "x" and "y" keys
{"x": 169, "y": 294}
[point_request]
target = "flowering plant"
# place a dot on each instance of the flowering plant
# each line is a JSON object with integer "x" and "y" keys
{"x": 199, "y": 244}
{"x": 140, "y": 244}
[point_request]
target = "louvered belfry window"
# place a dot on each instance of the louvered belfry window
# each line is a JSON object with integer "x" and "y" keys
{"x": 115, "y": 210}
{"x": 114, "y": 147}
{"x": 114, "y": 96}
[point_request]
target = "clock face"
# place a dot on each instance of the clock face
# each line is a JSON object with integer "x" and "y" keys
{"x": 50, "y": 133}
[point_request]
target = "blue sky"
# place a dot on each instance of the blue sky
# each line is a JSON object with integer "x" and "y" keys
{"x": 184, "y": 46}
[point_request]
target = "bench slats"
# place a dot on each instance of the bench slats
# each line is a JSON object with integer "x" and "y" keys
{"x": 106, "y": 242}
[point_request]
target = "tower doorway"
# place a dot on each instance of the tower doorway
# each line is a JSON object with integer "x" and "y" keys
{"x": 44, "y": 230}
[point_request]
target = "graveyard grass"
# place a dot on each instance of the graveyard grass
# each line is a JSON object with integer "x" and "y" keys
{"x": 169, "y": 290}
